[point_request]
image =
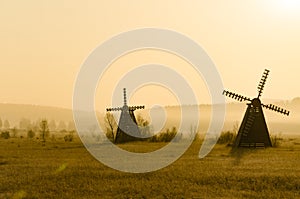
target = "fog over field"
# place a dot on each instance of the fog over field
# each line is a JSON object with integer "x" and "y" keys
{"x": 167, "y": 117}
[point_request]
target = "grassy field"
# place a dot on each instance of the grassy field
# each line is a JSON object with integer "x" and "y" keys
{"x": 67, "y": 170}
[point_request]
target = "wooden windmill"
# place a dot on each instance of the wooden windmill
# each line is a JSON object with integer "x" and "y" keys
{"x": 127, "y": 128}
{"x": 253, "y": 131}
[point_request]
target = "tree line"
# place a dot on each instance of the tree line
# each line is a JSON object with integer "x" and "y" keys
{"x": 39, "y": 129}
{"x": 26, "y": 124}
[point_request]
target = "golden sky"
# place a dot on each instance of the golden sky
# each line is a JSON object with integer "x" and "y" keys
{"x": 44, "y": 43}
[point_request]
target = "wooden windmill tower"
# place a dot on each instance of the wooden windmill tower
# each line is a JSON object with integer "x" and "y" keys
{"x": 127, "y": 128}
{"x": 253, "y": 131}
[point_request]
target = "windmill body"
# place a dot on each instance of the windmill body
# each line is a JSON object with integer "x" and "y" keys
{"x": 127, "y": 128}
{"x": 253, "y": 131}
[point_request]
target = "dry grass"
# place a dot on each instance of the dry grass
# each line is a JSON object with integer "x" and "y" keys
{"x": 67, "y": 170}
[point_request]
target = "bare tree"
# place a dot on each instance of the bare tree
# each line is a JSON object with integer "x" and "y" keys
{"x": 25, "y": 123}
{"x": 44, "y": 129}
{"x": 6, "y": 124}
{"x": 52, "y": 125}
{"x": 193, "y": 134}
{"x": 35, "y": 126}
{"x": 61, "y": 126}
{"x": 111, "y": 125}
{"x": 71, "y": 126}
{"x": 14, "y": 132}
{"x": 144, "y": 125}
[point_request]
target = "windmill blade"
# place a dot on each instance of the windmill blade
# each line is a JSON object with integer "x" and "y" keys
{"x": 277, "y": 109}
{"x": 236, "y": 96}
{"x": 114, "y": 109}
{"x": 124, "y": 96}
{"x": 133, "y": 108}
{"x": 262, "y": 82}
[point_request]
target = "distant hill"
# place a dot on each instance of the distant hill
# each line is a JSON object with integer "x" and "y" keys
{"x": 234, "y": 114}
{"x": 14, "y": 112}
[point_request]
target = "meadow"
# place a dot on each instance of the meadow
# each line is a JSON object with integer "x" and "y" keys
{"x": 67, "y": 170}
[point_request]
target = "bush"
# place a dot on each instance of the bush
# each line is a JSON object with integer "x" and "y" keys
{"x": 166, "y": 136}
{"x": 53, "y": 139}
{"x": 154, "y": 138}
{"x": 109, "y": 134}
{"x": 69, "y": 138}
{"x": 14, "y": 132}
{"x": 227, "y": 137}
{"x": 5, "y": 134}
{"x": 276, "y": 140}
{"x": 30, "y": 134}
{"x": 63, "y": 131}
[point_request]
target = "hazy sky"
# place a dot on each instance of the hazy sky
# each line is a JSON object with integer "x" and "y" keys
{"x": 44, "y": 43}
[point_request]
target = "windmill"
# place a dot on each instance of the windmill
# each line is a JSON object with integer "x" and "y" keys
{"x": 127, "y": 127}
{"x": 253, "y": 131}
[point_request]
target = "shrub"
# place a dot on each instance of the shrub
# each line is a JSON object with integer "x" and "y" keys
{"x": 69, "y": 137}
{"x": 166, "y": 136}
{"x": 193, "y": 134}
{"x": 154, "y": 138}
{"x": 63, "y": 131}
{"x": 30, "y": 134}
{"x": 109, "y": 134}
{"x": 227, "y": 137}
{"x": 14, "y": 132}
{"x": 53, "y": 139}
{"x": 276, "y": 140}
{"x": 5, "y": 134}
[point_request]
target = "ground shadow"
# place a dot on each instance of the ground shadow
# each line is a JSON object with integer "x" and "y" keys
{"x": 239, "y": 153}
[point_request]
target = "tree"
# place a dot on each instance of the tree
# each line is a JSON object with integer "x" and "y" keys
{"x": 30, "y": 133}
{"x": 25, "y": 123}
{"x": 14, "y": 132}
{"x": 52, "y": 125}
{"x": 143, "y": 125}
{"x": 6, "y": 124}
{"x": 111, "y": 126}
{"x": 71, "y": 126}
{"x": 61, "y": 125}
{"x": 5, "y": 134}
{"x": 193, "y": 132}
{"x": 0, "y": 123}
{"x": 44, "y": 129}
{"x": 35, "y": 126}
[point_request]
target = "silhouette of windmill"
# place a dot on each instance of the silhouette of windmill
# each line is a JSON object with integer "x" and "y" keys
{"x": 127, "y": 128}
{"x": 253, "y": 131}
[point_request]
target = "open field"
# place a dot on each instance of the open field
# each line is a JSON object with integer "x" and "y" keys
{"x": 67, "y": 170}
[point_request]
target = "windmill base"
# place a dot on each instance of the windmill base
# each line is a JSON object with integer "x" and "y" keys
{"x": 252, "y": 145}
{"x": 253, "y": 132}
